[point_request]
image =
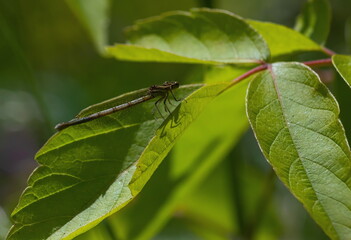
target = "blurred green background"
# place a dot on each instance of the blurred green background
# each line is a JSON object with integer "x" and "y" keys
{"x": 50, "y": 70}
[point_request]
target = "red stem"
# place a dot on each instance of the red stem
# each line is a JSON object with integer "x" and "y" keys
{"x": 245, "y": 75}
{"x": 321, "y": 62}
{"x": 328, "y": 51}
{"x": 248, "y": 73}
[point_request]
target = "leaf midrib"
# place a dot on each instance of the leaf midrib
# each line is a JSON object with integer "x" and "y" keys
{"x": 296, "y": 149}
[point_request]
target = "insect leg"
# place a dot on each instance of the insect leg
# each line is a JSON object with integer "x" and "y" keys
{"x": 173, "y": 95}
{"x": 165, "y": 103}
{"x": 156, "y": 106}
{"x": 169, "y": 101}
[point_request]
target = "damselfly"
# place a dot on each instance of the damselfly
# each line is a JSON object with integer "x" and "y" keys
{"x": 161, "y": 91}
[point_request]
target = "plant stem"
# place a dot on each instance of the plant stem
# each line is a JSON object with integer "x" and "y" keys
{"x": 328, "y": 51}
{"x": 320, "y": 62}
{"x": 264, "y": 66}
{"x": 244, "y": 76}
{"x": 249, "y": 73}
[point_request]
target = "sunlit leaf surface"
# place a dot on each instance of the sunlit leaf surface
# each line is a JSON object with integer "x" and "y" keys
{"x": 199, "y": 36}
{"x": 295, "y": 119}
{"x": 283, "y": 40}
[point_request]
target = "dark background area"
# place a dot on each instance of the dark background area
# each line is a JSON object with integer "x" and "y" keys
{"x": 50, "y": 70}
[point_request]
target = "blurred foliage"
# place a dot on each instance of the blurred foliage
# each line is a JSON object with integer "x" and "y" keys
{"x": 4, "y": 224}
{"x": 50, "y": 69}
{"x": 314, "y": 20}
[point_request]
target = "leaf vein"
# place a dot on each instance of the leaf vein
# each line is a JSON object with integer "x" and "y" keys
{"x": 328, "y": 196}
{"x": 314, "y": 108}
{"x": 325, "y": 136}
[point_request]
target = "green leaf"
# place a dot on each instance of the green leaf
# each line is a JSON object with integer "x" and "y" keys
{"x": 191, "y": 160}
{"x": 199, "y": 36}
{"x": 283, "y": 40}
{"x": 91, "y": 170}
{"x": 342, "y": 63}
{"x": 314, "y": 20}
{"x": 295, "y": 120}
{"x": 94, "y": 17}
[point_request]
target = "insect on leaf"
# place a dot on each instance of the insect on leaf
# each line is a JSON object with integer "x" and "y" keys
{"x": 96, "y": 168}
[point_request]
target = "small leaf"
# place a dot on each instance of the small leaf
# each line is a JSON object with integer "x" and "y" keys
{"x": 91, "y": 170}
{"x": 314, "y": 20}
{"x": 342, "y": 63}
{"x": 94, "y": 16}
{"x": 283, "y": 40}
{"x": 295, "y": 120}
{"x": 199, "y": 36}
